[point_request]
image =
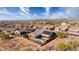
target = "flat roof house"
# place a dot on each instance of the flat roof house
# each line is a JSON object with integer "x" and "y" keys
{"x": 41, "y": 36}
{"x": 46, "y": 37}
{"x": 36, "y": 33}
{"x": 48, "y": 34}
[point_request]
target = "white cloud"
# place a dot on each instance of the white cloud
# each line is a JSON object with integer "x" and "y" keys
{"x": 24, "y": 14}
{"x": 25, "y": 10}
{"x": 72, "y": 12}
{"x": 47, "y": 11}
{"x": 17, "y": 16}
{"x": 4, "y": 11}
{"x": 67, "y": 13}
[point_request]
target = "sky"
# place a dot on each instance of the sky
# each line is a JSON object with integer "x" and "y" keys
{"x": 28, "y": 13}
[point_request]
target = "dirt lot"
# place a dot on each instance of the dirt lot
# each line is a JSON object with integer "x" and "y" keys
{"x": 22, "y": 44}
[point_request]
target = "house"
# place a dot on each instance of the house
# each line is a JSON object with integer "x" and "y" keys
{"x": 30, "y": 30}
{"x": 62, "y": 28}
{"x": 46, "y": 37}
{"x": 50, "y": 27}
{"x": 42, "y": 36}
{"x": 48, "y": 34}
{"x": 1, "y": 29}
{"x": 19, "y": 31}
{"x": 24, "y": 33}
{"x": 8, "y": 30}
{"x": 36, "y": 33}
{"x": 63, "y": 24}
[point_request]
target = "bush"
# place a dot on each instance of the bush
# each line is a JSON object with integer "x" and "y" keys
{"x": 73, "y": 45}
{"x": 4, "y": 36}
{"x": 28, "y": 49}
{"x": 61, "y": 35}
{"x": 72, "y": 48}
{"x": 62, "y": 47}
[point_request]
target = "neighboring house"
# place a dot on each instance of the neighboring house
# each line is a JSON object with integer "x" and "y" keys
{"x": 36, "y": 33}
{"x": 30, "y": 30}
{"x": 1, "y": 29}
{"x": 8, "y": 30}
{"x": 41, "y": 36}
{"x": 18, "y": 32}
{"x": 24, "y": 33}
{"x": 50, "y": 27}
{"x": 62, "y": 28}
{"x": 63, "y": 24}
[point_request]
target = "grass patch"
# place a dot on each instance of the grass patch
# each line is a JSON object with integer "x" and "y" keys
{"x": 61, "y": 34}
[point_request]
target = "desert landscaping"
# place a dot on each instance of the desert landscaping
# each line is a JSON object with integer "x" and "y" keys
{"x": 39, "y": 35}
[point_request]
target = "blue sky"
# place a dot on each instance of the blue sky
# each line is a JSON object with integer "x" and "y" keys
{"x": 27, "y": 13}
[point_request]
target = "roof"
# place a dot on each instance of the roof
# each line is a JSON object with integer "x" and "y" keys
{"x": 62, "y": 28}
{"x": 38, "y": 31}
{"x": 48, "y": 26}
{"x": 48, "y": 34}
{"x": 23, "y": 33}
{"x": 30, "y": 30}
{"x": 8, "y": 29}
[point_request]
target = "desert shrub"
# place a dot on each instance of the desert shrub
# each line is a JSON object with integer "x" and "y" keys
{"x": 72, "y": 48}
{"x": 62, "y": 47}
{"x": 61, "y": 35}
{"x": 73, "y": 45}
{"x": 28, "y": 49}
{"x": 4, "y": 36}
